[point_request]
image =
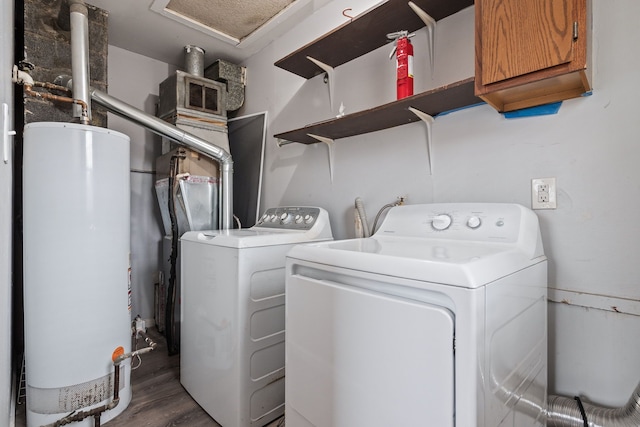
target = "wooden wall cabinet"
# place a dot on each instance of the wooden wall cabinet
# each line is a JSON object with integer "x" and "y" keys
{"x": 531, "y": 52}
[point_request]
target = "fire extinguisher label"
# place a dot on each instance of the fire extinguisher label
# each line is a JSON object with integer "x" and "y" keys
{"x": 402, "y": 71}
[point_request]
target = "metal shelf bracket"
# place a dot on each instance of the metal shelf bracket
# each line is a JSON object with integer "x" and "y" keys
{"x": 428, "y": 120}
{"x": 330, "y": 76}
{"x": 329, "y": 143}
{"x": 431, "y": 31}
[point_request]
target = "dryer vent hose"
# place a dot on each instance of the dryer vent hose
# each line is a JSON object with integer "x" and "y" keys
{"x": 571, "y": 412}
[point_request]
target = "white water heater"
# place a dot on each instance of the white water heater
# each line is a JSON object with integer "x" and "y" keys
{"x": 77, "y": 305}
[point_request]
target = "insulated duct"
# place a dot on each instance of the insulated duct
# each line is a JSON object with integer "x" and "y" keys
{"x": 571, "y": 412}
{"x": 173, "y": 133}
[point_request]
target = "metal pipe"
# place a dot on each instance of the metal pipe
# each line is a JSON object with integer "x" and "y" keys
{"x": 176, "y": 134}
{"x": 79, "y": 17}
{"x": 566, "y": 412}
{"x": 76, "y": 102}
{"x": 194, "y": 60}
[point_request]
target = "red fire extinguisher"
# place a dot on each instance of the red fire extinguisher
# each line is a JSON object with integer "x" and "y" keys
{"x": 404, "y": 62}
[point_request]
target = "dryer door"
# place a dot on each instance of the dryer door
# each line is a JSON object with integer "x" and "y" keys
{"x": 361, "y": 358}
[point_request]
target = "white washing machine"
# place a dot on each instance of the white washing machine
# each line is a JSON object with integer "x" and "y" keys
{"x": 232, "y": 338}
{"x": 439, "y": 319}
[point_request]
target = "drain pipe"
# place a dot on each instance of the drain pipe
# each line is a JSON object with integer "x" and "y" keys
{"x": 572, "y": 412}
{"x": 176, "y": 134}
{"x": 79, "y": 19}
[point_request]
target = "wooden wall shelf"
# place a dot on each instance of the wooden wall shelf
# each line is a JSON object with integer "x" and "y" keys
{"x": 365, "y": 33}
{"x": 433, "y": 102}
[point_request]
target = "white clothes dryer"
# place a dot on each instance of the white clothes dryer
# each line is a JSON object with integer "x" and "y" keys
{"x": 438, "y": 319}
{"x": 232, "y": 338}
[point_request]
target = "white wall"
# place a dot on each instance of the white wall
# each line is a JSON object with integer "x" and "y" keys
{"x": 590, "y": 146}
{"x": 6, "y": 217}
{"x": 134, "y": 79}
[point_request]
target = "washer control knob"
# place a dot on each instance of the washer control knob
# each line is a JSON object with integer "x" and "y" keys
{"x": 441, "y": 222}
{"x": 298, "y": 219}
{"x": 474, "y": 222}
{"x": 285, "y": 218}
{"x": 273, "y": 218}
{"x": 308, "y": 219}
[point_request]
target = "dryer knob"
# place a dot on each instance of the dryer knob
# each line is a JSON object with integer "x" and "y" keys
{"x": 441, "y": 222}
{"x": 474, "y": 222}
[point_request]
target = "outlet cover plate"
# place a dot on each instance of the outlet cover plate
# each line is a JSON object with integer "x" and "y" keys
{"x": 543, "y": 193}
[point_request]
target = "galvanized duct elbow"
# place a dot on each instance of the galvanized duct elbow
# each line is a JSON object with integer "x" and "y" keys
{"x": 176, "y": 134}
{"x": 565, "y": 412}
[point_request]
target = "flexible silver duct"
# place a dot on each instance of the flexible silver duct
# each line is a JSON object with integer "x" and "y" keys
{"x": 176, "y": 134}
{"x": 79, "y": 18}
{"x": 565, "y": 412}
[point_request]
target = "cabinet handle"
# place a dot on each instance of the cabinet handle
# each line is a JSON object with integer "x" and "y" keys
{"x": 575, "y": 30}
{"x": 6, "y": 133}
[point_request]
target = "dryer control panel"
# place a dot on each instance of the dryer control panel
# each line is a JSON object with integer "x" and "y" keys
{"x": 292, "y": 218}
{"x": 503, "y": 223}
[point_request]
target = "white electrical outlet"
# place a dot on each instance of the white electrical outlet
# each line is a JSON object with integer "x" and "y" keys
{"x": 543, "y": 193}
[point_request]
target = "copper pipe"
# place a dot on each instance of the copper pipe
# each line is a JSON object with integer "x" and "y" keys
{"x": 52, "y": 86}
{"x": 45, "y": 95}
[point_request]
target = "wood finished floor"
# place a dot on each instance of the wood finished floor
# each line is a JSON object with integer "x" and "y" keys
{"x": 159, "y": 400}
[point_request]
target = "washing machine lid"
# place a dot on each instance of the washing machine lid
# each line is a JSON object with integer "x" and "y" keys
{"x": 464, "y": 264}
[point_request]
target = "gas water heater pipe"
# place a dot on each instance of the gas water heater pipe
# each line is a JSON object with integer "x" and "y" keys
{"x": 80, "y": 86}
{"x": 176, "y": 134}
{"x": 23, "y": 78}
{"x": 79, "y": 20}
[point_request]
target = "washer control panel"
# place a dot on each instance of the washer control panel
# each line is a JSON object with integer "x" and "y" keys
{"x": 290, "y": 218}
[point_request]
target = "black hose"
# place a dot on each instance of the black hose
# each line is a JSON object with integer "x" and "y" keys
{"x": 173, "y": 346}
{"x": 582, "y": 412}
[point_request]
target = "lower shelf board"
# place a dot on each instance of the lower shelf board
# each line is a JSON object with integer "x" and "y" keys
{"x": 433, "y": 102}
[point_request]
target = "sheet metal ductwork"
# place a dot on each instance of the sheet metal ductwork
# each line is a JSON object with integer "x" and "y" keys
{"x": 235, "y": 79}
{"x": 566, "y": 412}
{"x": 186, "y": 139}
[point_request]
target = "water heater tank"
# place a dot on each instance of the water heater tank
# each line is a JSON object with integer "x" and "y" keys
{"x": 76, "y": 269}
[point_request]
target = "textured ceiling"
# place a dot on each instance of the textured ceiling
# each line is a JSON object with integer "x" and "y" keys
{"x": 237, "y": 18}
{"x": 148, "y": 28}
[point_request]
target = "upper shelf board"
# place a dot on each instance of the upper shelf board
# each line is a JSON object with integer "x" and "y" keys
{"x": 447, "y": 98}
{"x": 365, "y": 33}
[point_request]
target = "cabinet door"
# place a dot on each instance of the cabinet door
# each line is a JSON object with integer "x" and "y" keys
{"x": 532, "y": 52}
{"x": 523, "y": 36}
